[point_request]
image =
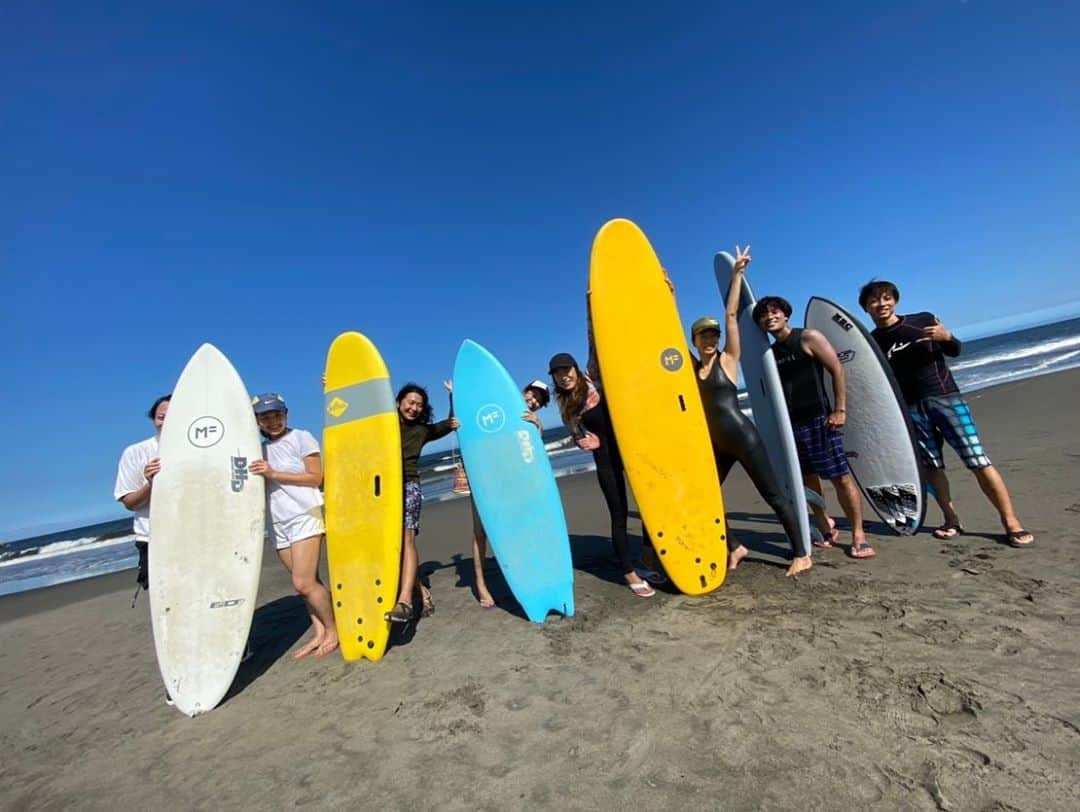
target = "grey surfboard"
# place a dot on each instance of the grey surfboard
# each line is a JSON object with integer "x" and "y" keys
{"x": 878, "y": 435}
{"x": 769, "y": 411}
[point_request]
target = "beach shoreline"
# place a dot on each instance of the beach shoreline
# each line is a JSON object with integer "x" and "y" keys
{"x": 940, "y": 675}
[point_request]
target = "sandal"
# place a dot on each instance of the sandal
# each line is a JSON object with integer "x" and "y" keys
{"x": 828, "y": 540}
{"x": 642, "y": 589}
{"x": 654, "y": 577}
{"x": 427, "y": 606}
{"x": 949, "y": 531}
{"x": 1019, "y": 538}
{"x": 401, "y": 613}
{"x": 862, "y": 550}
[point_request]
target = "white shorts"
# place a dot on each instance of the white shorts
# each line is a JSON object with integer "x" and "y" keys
{"x": 297, "y": 528}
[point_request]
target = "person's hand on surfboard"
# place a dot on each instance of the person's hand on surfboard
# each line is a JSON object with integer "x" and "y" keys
{"x": 667, "y": 281}
{"x": 455, "y": 424}
{"x": 742, "y": 260}
{"x": 262, "y": 468}
{"x": 531, "y": 418}
{"x": 836, "y": 419}
{"x": 152, "y": 468}
{"x": 448, "y": 385}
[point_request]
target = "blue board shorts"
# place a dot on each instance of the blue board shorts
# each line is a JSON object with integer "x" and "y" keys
{"x": 947, "y": 419}
{"x": 414, "y": 500}
{"x": 821, "y": 449}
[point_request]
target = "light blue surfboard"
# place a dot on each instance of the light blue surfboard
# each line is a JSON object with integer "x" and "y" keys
{"x": 512, "y": 484}
{"x": 767, "y": 405}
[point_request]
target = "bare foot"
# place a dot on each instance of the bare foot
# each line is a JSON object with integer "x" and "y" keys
{"x": 799, "y": 564}
{"x": 484, "y": 598}
{"x": 307, "y": 649}
{"x": 330, "y": 643}
{"x": 735, "y": 556}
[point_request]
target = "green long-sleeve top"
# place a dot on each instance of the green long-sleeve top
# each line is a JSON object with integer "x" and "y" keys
{"x": 414, "y": 436}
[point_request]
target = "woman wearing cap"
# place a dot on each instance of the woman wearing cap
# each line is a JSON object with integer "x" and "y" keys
{"x": 734, "y": 437}
{"x": 292, "y": 469}
{"x": 417, "y": 430}
{"x": 585, "y": 414}
{"x": 537, "y": 395}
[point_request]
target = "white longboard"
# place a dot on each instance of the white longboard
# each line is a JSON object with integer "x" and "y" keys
{"x": 767, "y": 405}
{"x": 206, "y": 533}
{"x": 878, "y": 435}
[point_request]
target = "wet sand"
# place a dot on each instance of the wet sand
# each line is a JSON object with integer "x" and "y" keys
{"x": 940, "y": 675}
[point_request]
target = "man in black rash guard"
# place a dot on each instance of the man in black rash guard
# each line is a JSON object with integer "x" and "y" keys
{"x": 801, "y": 357}
{"x": 916, "y": 346}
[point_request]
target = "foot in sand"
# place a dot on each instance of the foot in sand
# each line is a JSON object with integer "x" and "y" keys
{"x": 1019, "y": 537}
{"x": 309, "y": 648}
{"x": 329, "y": 643}
{"x": 737, "y": 555}
{"x": 639, "y": 587}
{"x": 861, "y": 549}
{"x": 484, "y": 598}
{"x": 799, "y": 564}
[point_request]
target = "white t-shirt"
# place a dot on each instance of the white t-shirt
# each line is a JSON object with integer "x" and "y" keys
{"x": 129, "y": 478}
{"x": 287, "y": 454}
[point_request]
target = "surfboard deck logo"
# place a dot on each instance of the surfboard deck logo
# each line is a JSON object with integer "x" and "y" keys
{"x": 205, "y": 431}
{"x": 490, "y": 418}
{"x": 671, "y": 359}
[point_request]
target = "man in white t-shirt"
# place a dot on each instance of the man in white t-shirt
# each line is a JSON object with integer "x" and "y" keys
{"x": 293, "y": 472}
{"x": 139, "y": 464}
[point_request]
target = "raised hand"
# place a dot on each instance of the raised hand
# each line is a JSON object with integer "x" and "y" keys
{"x": 742, "y": 259}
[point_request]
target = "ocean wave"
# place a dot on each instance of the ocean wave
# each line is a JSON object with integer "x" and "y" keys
{"x": 1017, "y": 354}
{"x": 61, "y": 548}
{"x": 972, "y": 383}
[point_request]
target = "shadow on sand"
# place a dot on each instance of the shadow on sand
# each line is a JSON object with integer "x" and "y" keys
{"x": 275, "y": 628}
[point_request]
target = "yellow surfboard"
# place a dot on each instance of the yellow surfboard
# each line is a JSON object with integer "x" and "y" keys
{"x": 363, "y": 491}
{"x": 648, "y": 380}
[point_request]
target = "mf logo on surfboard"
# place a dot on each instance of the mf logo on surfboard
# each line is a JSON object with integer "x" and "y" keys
{"x": 845, "y": 355}
{"x": 671, "y": 359}
{"x": 847, "y": 325}
{"x": 490, "y": 418}
{"x": 239, "y": 473}
{"x": 205, "y": 431}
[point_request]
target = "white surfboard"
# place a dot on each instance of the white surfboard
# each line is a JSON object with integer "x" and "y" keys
{"x": 767, "y": 405}
{"x": 206, "y": 533}
{"x": 878, "y": 435}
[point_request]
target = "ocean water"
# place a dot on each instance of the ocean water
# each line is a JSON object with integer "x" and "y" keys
{"x": 84, "y": 552}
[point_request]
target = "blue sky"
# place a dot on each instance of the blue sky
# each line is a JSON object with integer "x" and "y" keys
{"x": 266, "y": 176}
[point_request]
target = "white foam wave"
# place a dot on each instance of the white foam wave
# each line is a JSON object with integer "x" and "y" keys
{"x": 1019, "y": 353}
{"x": 1069, "y": 360}
{"x": 67, "y": 548}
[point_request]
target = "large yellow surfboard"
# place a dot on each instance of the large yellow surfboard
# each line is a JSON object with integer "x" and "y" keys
{"x": 648, "y": 380}
{"x": 364, "y": 494}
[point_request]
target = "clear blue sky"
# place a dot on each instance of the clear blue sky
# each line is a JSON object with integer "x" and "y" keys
{"x": 266, "y": 176}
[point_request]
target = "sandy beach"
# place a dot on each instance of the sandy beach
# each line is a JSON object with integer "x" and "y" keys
{"x": 941, "y": 675}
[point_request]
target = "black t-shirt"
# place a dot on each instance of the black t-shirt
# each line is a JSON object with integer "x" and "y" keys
{"x": 803, "y": 380}
{"x": 919, "y": 365}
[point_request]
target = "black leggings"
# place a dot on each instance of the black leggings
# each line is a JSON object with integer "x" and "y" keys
{"x": 611, "y": 475}
{"x": 755, "y": 461}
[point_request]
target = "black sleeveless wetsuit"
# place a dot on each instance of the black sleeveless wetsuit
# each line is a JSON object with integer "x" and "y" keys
{"x": 736, "y": 439}
{"x": 803, "y": 380}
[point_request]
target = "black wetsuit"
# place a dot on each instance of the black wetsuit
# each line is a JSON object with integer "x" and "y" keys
{"x": 803, "y": 380}
{"x": 736, "y": 439}
{"x": 919, "y": 365}
{"x": 611, "y": 474}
